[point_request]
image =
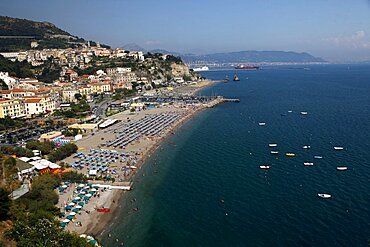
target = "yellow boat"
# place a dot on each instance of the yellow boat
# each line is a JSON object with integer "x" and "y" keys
{"x": 290, "y": 154}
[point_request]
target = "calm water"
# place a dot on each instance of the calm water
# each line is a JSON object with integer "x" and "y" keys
{"x": 218, "y": 153}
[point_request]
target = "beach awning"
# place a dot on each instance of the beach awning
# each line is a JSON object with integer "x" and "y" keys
{"x": 75, "y": 210}
{"x": 93, "y": 190}
{"x": 72, "y": 213}
{"x": 71, "y": 204}
{"x": 69, "y": 217}
{"x": 66, "y": 221}
{"x": 78, "y": 207}
{"x": 81, "y": 203}
{"x": 77, "y": 198}
{"x": 88, "y": 195}
{"x": 75, "y": 201}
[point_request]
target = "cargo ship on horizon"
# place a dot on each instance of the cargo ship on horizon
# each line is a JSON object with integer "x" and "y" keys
{"x": 247, "y": 67}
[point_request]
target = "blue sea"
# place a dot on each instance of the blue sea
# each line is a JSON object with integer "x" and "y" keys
{"x": 204, "y": 187}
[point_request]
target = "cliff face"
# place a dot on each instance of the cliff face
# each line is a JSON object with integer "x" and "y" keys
{"x": 179, "y": 70}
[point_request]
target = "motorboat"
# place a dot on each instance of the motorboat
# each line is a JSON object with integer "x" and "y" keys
{"x": 308, "y": 163}
{"x": 265, "y": 167}
{"x": 317, "y": 157}
{"x": 306, "y": 147}
{"x": 274, "y": 152}
{"x": 290, "y": 111}
{"x": 290, "y": 154}
{"x": 325, "y": 196}
{"x": 342, "y": 168}
{"x": 338, "y": 148}
{"x": 304, "y": 113}
{"x": 272, "y": 145}
{"x": 262, "y": 124}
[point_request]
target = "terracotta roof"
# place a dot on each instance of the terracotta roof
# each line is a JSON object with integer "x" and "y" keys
{"x": 32, "y": 100}
{"x": 5, "y": 91}
{"x": 18, "y": 90}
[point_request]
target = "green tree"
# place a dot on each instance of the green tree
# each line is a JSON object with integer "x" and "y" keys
{"x": 44, "y": 147}
{"x": 3, "y": 85}
{"x": 4, "y": 204}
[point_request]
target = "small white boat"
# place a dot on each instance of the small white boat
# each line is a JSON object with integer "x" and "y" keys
{"x": 342, "y": 168}
{"x": 274, "y": 152}
{"x": 317, "y": 157}
{"x": 272, "y": 145}
{"x": 262, "y": 124}
{"x": 304, "y": 113}
{"x": 265, "y": 167}
{"x": 290, "y": 111}
{"x": 325, "y": 196}
{"x": 308, "y": 163}
{"x": 338, "y": 148}
{"x": 306, "y": 147}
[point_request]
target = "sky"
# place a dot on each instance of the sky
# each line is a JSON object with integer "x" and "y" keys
{"x": 337, "y": 30}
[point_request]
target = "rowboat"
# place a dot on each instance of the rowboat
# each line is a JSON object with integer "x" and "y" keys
{"x": 290, "y": 154}
{"x": 342, "y": 168}
{"x": 265, "y": 167}
{"x": 325, "y": 196}
{"x": 308, "y": 163}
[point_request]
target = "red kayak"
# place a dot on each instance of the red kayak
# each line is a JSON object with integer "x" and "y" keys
{"x": 104, "y": 210}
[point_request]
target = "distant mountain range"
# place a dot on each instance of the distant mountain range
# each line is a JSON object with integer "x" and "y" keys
{"x": 254, "y": 57}
{"x": 17, "y": 34}
{"x": 237, "y": 57}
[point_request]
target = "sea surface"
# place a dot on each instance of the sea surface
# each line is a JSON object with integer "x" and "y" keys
{"x": 216, "y": 156}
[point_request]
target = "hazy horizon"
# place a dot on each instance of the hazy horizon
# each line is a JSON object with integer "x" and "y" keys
{"x": 335, "y": 31}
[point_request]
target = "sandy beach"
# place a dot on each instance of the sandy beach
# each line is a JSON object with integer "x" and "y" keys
{"x": 95, "y": 223}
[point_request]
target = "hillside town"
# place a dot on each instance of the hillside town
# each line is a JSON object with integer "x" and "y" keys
{"x": 30, "y": 97}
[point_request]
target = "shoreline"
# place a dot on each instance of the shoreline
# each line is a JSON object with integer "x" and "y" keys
{"x": 101, "y": 223}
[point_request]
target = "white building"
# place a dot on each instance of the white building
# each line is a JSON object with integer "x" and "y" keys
{"x": 38, "y": 105}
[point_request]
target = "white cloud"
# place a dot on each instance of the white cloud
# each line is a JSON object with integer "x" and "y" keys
{"x": 356, "y": 41}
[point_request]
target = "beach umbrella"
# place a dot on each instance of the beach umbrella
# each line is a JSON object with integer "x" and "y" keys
{"x": 68, "y": 208}
{"x": 80, "y": 195}
{"x": 71, "y": 204}
{"x": 66, "y": 221}
{"x": 78, "y": 207}
{"x": 81, "y": 203}
{"x": 72, "y": 213}
{"x": 74, "y": 201}
{"x": 75, "y": 210}
{"x": 89, "y": 185}
{"x": 69, "y": 217}
{"x": 91, "y": 192}
{"x": 96, "y": 187}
